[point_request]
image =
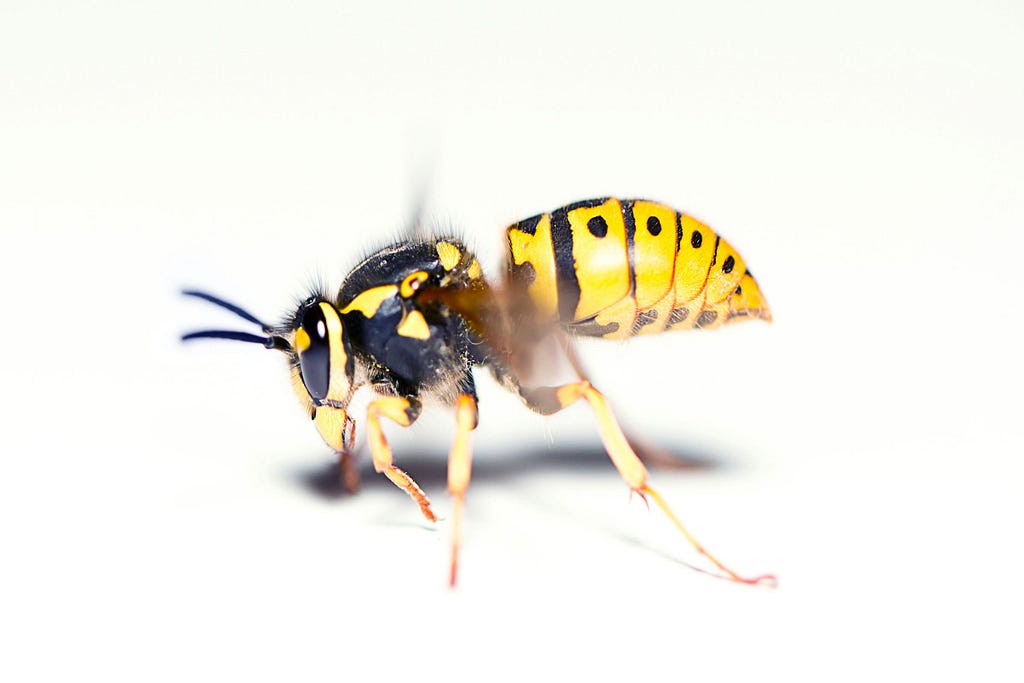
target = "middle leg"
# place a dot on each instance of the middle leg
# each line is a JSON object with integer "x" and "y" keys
{"x": 460, "y": 461}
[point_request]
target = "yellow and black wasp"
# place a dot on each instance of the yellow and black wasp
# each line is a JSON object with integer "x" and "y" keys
{"x": 414, "y": 319}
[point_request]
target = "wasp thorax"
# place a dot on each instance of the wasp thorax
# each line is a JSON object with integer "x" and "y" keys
{"x": 322, "y": 348}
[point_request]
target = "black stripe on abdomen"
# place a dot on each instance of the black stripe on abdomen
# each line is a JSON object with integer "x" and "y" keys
{"x": 565, "y": 265}
{"x": 630, "y": 220}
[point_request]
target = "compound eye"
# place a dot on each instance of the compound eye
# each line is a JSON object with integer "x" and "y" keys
{"x": 314, "y": 353}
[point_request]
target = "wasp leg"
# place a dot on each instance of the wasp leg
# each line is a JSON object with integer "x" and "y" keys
{"x": 548, "y": 400}
{"x": 402, "y": 411}
{"x": 648, "y": 452}
{"x": 349, "y": 471}
{"x": 460, "y": 461}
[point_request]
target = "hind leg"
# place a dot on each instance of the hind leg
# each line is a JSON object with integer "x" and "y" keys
{"x": 549, "y": 400}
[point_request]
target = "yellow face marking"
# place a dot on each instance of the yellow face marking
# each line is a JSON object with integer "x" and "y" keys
{"x": 339, "y": 384}
{"x": 536, "y": 250}
{"x": 412, "y": 283}
{"x": 449, "y": 254}
{"x": 302, "y": 340}
{"x": 368, "y": 301}
{"x": 414, "y": 325}
{"x": 474, "y": 271}
{"x": 295, "y": 375}
{"x": 693, "y": 259}
{"x": 601, "y": 256}
{"x": 725, "y": 274}
{"x": 330, "y": 422}
{"x": 654, "y": 251}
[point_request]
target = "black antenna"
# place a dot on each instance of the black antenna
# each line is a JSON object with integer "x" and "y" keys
{"x": 230, "y": 334}
{"x": 271, "y": 341}
{"x": 237, "y": 310}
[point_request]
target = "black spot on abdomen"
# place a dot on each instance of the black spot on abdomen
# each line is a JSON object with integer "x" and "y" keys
{"x": 644, "y": 319}
{"x": 706, "y": 318}
{"x": 678, "y": 315}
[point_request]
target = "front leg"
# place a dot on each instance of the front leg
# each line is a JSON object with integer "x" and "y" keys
{"x": 403, "y": 411}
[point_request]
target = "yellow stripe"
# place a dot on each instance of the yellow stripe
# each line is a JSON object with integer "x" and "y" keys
{"x": 692, "y": 264}
{"x": 368, "y": 301}
{"x": 602, "y": 263}
{"x": 414, "y": 325}
{"x": 722, "y": 284}
{"x": 654, "y": 256}
{"x": 536, "y": 250}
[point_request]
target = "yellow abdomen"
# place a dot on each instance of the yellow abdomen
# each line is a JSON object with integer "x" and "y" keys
{"x": 617, "y": 268}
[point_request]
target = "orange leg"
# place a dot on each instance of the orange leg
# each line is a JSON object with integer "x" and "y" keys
{"x": 401, "y": 411}
{"x": 347, "y": 464}
{"x": 650, "y": 453}
{"x": 460, "y": 463}
{"x": 632, "y": 470}
{"x": 348, "y": 471}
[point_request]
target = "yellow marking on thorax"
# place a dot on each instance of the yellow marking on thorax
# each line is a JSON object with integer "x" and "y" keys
{"x": 368, "y": 301}
{"x": 536, "y": 250}
{"x": 414, "y": 325}
{"x": 692, "y": 264}
{"x": 412, "y": 282}
{"x": 474, "y": 271}
{"x": 339, "y": 384}
{"x": 449, "y": 254}
{"x": 654, "y": 256}
{"x": 602, "y": 263}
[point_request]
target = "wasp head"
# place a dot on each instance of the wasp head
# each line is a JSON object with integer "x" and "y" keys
{"x": 320, "y": 358}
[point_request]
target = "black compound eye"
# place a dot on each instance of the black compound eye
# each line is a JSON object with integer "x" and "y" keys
{"x": 315, "y": 358}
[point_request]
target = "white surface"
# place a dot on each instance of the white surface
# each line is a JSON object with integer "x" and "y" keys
{"x": 867, "y": 162}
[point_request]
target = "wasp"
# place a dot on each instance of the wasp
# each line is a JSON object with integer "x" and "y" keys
{"x": 414, "y": 319}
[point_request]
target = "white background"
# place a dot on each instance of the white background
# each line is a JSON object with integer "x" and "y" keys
{"x": 167, "y": 512}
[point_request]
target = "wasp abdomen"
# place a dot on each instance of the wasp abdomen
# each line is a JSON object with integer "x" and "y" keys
{"x": 617, "y": 268}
